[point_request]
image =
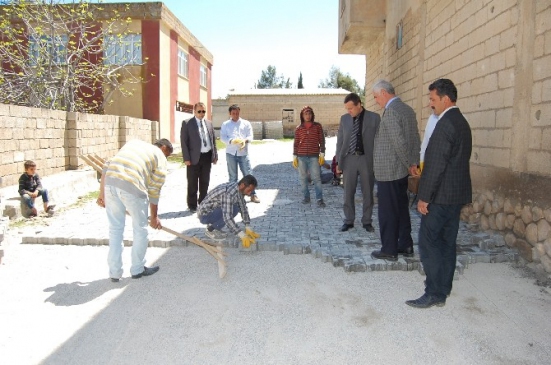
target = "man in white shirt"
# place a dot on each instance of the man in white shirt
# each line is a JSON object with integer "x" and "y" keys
{"x": 237, "y": 133}
{"x": 431, "y": 123}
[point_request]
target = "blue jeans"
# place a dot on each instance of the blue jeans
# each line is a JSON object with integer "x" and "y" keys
{"x": 309, "y": 165}
{"x": 244, "y": 165}
{"x": 117, "y": 203}
{"x": 216, "y": 217}
{"x": 437, "y": 245}
{"x": 30, "y": 201}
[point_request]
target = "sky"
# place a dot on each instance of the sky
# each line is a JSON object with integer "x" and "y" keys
{"x": 246, "y": 36}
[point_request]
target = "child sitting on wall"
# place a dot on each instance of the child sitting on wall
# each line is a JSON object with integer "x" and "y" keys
{"x": 30, "y": 187}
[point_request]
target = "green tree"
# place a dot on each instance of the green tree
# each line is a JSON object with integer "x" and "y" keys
{"x": 299, "y": 85}
{"x": 59, "y": 55}
{"x": 339, "y": 80}
{"x": 270, "y": 80}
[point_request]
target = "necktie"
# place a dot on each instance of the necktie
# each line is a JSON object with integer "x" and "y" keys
{"x": 354, "y": 136}
{"x": 202, "y": 131}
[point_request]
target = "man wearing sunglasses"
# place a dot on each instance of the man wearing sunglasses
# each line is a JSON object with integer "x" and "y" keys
{"x": 199, "y": 153}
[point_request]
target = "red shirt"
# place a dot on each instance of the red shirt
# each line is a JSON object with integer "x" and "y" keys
{"x": 309, "y": 140}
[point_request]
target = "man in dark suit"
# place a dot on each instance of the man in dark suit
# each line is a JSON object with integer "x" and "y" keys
{"x": 355, "y": 158}
{"x": 199, "y": 153}
{"x": 444, "y": 188}
{"x": 396, "y": 153}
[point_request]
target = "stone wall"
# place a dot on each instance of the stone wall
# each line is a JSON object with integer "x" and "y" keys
{"x": 524, "y": 224}
{"x": 55, "y": 139}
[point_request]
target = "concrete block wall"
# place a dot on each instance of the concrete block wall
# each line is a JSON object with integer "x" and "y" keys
{"x": 31, "y": 134}
{"x": 56, "y": 139}
{"x": 498, "y": 53}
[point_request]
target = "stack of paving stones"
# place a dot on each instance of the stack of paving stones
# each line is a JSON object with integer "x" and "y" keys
{"x": 285, "y": 223}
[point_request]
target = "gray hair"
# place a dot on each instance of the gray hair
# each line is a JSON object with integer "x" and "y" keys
{"x": 384, "y": 85}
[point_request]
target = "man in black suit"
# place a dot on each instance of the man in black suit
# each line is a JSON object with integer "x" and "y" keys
{"x": 199, "y": 153}
{"x": 444, "y": 188}
{"x": 354, "y": 155}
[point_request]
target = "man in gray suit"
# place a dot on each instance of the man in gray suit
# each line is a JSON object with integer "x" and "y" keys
{"x": 444, "y": 188}
{"x": 199, "y": 153}
{"x": 355, "y": 158}
{"x": 396, "y": 153}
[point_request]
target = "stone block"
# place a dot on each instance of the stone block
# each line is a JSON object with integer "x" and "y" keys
{"x": 546, "y": 263}
{"x": 355, "y": 266}
{"x": 544, "y": 230}
{"x": 547, "y": 245}
{"x": 531, "y": 234}
{"x": 267, "y": 246}
{"x": 525, "y": 249}
{"x": 293, "y": 249}
{"x": 526, "y": 214}
{"x": 519, "y": 228}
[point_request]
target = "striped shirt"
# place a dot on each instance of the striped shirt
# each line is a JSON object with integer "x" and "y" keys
{"x": 309, "y": 141}
{"x": 139, "y": 168}
{"x": 225, "y": 196}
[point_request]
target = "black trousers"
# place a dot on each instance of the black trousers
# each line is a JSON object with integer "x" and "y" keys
{"x": 198, "y": 178}
{"x": 394, "y": 220}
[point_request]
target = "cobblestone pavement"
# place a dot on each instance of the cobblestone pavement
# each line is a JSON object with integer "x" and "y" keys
{"x": 284, "y": 222}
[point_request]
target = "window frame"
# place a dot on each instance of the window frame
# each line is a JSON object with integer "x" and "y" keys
{"x": 123, "y": 49}
{"x": 203, "y": 72}
{"x": 55, "y": 46}
{"x": 183, "y": 63}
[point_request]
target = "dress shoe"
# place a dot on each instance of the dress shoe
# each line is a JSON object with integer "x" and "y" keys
{"x": 114, "y": 280}
{"x": 345, "y": 227}
{"x": 426, "y": 301}
{"x": 408, "y": 252}
{"x": 383, "y": 256}
{"x": 368, "y": 227}
{"x": 146, "y": 272}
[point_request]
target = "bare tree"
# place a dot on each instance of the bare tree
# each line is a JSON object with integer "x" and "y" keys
{"x": 67, "y": 56}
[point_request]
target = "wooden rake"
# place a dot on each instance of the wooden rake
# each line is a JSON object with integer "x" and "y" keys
{"x": 215, "y": 251}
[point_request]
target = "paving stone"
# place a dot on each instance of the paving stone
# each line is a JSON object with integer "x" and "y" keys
{"x": 284, "y": 223}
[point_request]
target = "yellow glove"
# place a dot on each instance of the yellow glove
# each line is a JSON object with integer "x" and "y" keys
{"x": 239, "y": 141}
{"x": 321, "y": 159}
{"x": 251, "y": 233}
{"x": 295, "y": 161}
{"x": 246, "y": 240}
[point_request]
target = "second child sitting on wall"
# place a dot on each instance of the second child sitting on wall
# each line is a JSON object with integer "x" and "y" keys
{"x": 30, "y": 187}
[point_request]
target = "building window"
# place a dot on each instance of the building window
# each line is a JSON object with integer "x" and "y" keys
{"x": 203, "y": 76}
{"x": 45, "y": 49}
{"x": 123, "y": 50}
{"x": 183, "y": 59}
{"x": 399, "y": 34}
